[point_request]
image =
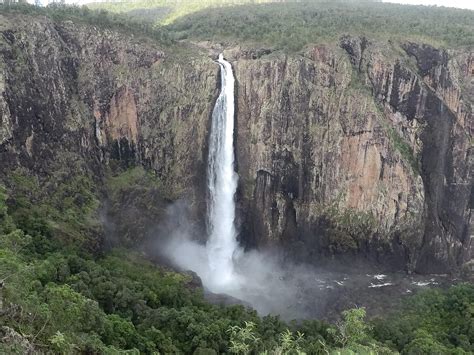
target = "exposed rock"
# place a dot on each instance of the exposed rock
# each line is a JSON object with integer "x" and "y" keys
{"x": 428, "y": 58}
{"x": 99, "y": 95}
{"x": 15, "y": 343}
{"x": 122, "y": 119}
{"x": 360, "y": 147}
{"x": 196, "y": 282}
{"x": 5, "y": 120}
{"x": 361, "y": 131}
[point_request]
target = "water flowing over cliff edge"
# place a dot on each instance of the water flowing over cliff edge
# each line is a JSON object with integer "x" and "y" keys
{"x": 222, "y": 183}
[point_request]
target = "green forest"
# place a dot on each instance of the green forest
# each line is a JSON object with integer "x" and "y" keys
{"x": 62, "y": 293}
{"x": 166, "y": 11}
{"x": 101, "y": 18}
{"x": 288, "y": 26}
{"x": 291, "y": 26}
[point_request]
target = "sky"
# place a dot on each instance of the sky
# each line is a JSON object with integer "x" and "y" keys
{"x": 462, "y": 4}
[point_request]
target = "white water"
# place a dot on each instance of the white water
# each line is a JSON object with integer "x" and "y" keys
{"x": 222, "y": 184}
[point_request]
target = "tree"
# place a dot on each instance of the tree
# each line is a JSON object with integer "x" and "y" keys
{"x": 242, "y": 339}
{"x": 6, "y": 222}
{"x": 60, "y": 343}
{"x": 352, "y": 330}
{"x": 290, "y": 344}
{"x": 15, "y": 241}
{"x": 424, "y": 343}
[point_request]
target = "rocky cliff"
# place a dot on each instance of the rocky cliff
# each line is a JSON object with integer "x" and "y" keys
{"x": 359, "y": 147}
{"x": 76, "y": 99}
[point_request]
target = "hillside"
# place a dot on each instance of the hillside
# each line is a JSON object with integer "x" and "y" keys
{"x": 166, "y": 11}
{"x": 291, "y": 26}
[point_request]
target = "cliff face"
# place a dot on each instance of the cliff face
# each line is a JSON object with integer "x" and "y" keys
{"x": 74, "y": 97}
{"x": 359, "y": 147}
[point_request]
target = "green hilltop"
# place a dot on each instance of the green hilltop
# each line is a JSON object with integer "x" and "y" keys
{"x": 167, "y": 11}
{"x": 290, "y": 25}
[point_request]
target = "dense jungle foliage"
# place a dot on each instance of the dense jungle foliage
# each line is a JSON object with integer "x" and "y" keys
{"x": 58, "y": 295}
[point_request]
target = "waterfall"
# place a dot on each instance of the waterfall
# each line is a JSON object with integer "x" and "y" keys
{"x": 222, "y": 184}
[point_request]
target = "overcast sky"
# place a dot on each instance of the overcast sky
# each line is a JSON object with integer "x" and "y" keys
{"x": 463, "y": 4}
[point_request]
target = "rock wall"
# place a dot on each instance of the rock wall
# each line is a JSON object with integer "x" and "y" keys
{"x": 355, "y": 148}
{"x": 74, "y": 97}
{"x": 359, "y": 147}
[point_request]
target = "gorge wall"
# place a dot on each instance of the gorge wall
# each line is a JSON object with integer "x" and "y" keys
{"x": 77, "y": 99}
{"x": 356, "y": 148}
{"x": 361, "y": 147}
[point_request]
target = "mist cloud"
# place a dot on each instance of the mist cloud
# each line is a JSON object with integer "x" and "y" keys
{"x": 261, "y": 279}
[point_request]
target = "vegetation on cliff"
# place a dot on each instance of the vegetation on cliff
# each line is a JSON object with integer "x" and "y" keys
{"x": 100, "y": 18}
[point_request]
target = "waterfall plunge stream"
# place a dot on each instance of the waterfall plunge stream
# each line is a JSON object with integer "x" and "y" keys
{"x": 222, "y": 184}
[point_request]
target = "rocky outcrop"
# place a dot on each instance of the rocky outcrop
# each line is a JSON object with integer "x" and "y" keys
{"x": 12, "y": 342}
{"x": 121, "y": 121}
{"x": 311, "y": 144}
{"x": 360, "y": 147}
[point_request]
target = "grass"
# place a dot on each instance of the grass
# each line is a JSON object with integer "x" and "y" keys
{"x": 405, "y": 150}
